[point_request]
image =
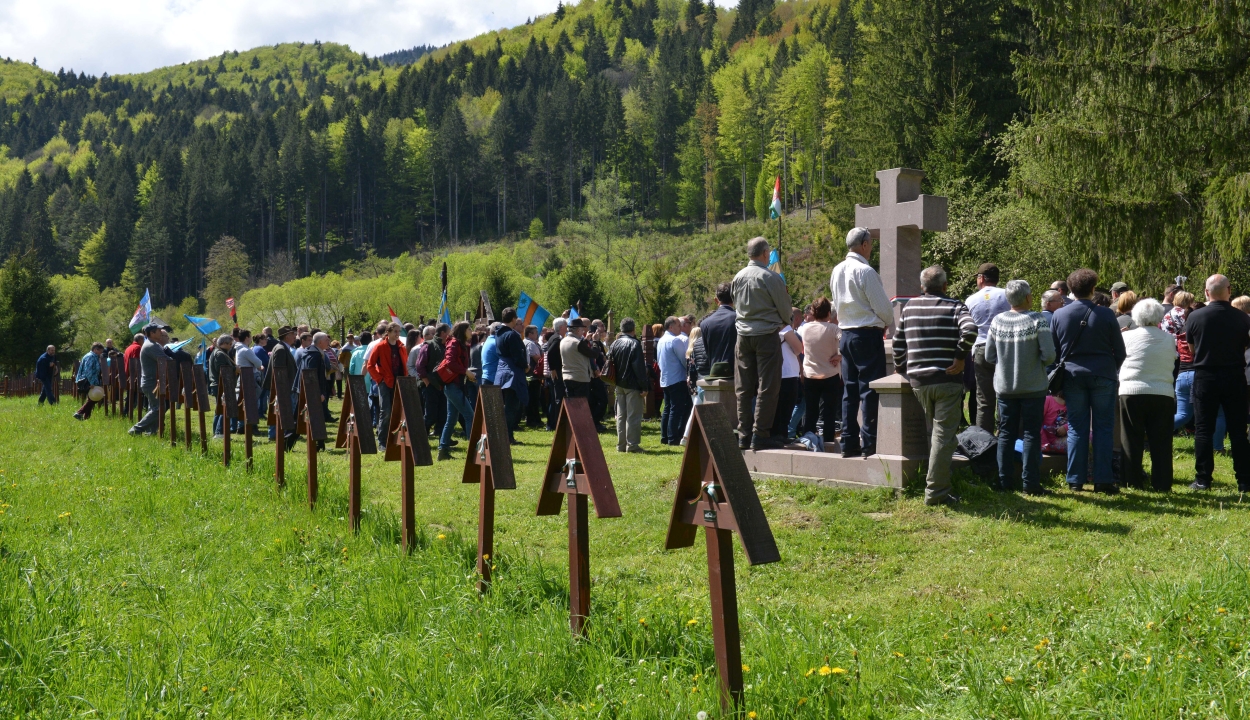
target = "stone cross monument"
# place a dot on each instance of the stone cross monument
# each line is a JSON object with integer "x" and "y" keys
{"x": 897, "y": 222}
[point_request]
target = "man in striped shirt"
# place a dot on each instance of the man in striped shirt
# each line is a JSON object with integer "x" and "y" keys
{"x": 934, "y": 335}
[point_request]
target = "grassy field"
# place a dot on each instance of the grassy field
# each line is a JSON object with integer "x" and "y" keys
{"x": 138, "y": 580}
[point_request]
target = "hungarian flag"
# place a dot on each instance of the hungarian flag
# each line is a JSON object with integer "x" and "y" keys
{"x": 394, "y": 317}
{"x": 233, "y": 315}
{"x": 774, "y": 210}
{"x": 531, "y": 312}
{"x": 142, "y": 313}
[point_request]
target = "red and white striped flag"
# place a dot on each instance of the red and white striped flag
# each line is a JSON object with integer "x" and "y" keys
{"x": 394, "y": 317}
{"x": 233, "y": 315}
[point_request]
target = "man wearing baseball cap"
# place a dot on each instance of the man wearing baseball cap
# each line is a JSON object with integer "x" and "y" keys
{"x": 149, "y": 359}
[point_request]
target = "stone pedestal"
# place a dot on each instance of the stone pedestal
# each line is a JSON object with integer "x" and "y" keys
{"x": 719, "y": 390}
{"x": 901, "y": 426}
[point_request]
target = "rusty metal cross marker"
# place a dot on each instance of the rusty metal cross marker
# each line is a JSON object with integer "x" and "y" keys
{"x": 715, "y": 492}
{"x": 281, "y": 418}
{"x": 576, "y": 468}
{"x": 312, "y": 423}
{"x": 407, "y": 442}
{"x": 356, "y": 436}
{"x": 488, "y": 463}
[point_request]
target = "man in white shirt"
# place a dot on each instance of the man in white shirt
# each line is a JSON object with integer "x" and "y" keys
{"x": 670, "y": 355}
{"x": 987, "y": 303}
{"x": 864, "y": 313}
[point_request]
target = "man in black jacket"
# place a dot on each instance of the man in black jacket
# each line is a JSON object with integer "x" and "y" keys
{"x": 718, "y": 331}
{"x": 1218, "y": 335}
{"x": 631, "y": 387}
{"x": 281, "y": 357}
{"x": 317, "y": 396}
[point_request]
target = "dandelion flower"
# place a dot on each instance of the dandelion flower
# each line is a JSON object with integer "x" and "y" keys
{"x": 802, "y": 701}
{"x": 442, "y": 536}
{"x": 825, "y": 670}
{"x": 643, "y": 622}
{"x": 1147, "y": 659}
{"x": 1009, "y": 679}
{"x": 701, "y": 715}
{"x": 809, "y": 672}
{"x": 486, "y": 556}
{"x": 1218, "y": 610}
{"x": 838, "y": 671}
{"x": 1150, "y": 626}
{"x": 751, "y": 715}
{"x": 746, "y": 668}
{"x": 692, "y": 621}
{"x": 898, "y": 654}
{"x": 204, "y": 689}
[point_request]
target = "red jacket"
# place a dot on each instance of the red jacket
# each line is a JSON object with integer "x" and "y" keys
{"x": 379, "y": 364}
{"x": 131, "y": 353}
{"x": 457, "y": 358}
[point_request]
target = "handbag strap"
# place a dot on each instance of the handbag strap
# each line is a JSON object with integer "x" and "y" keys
{"x": 1081, "y": 331}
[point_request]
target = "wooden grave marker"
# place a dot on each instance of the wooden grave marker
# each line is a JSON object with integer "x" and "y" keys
{"x": 576, "y": 467}
{"x": 355, "y": 415}
{"x": 407, "y": 442}
{"x": 201, "y": 404}
{"x": 483, "y": 307}
{"x": 311, "y": 421}
{"x": 488, "y": 462}
{"x": 161, "y": 390}
{"x": 248, "y": 410}
{"x": 715, "y": 492}
{"x": 281, "y": 418}
{"x": 227, "y": 407}
{"x": 187, "y": 376}
{"x": 132, "y": 388}
{"x": 171, "y": 396}
{"x": 115, "y": 385}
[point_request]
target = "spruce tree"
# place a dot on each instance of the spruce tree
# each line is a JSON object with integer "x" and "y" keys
{"x": 30, "y": 316}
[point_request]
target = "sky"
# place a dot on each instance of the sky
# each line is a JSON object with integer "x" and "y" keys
{"x": 128, "y": 36}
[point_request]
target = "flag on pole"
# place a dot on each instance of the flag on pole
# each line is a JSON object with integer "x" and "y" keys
{"x": 573, "y": 314}
{"x": 233, "y": 315}
{"x": 774, "y": 210}
{"x": 444, "y": 313}
{"x": 142, "y": 313}
{"x": 203, "y": 324}
{"x": 394, "y": 317}
{"x": 531, "y": 312}
{"x": 774, "y": 262}
{"x": 202, "y": 354}
{"x": 180, "y": 345}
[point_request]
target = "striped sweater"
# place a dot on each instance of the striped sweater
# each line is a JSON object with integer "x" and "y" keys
{"x": 932, "y": 334}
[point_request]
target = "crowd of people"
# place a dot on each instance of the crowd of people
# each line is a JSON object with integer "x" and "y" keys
{"x": 1103, "y": 377}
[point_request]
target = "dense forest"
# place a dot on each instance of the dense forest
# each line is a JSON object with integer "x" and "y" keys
{"x": 1104, "y": 132}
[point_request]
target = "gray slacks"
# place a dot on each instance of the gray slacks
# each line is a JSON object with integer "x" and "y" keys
{"x": 628, "y": 419}
{"x": 942, "y": 405}
{"x": 758, "y": 381}
{"x": 987, "y": 401}
{"x": 149, "y": 420}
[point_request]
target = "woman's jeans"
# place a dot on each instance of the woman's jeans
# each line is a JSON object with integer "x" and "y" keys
{"x": 1091, "y": 405}
{"x": 458, "y": 406}
{"x": 1185, "y": 409}
{"x": 1020, "y": 418}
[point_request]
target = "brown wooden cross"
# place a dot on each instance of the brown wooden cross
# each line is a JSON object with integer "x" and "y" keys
{"x": 132, "y": 389}
{"x": 715, "y": 492}
{"x": 116, "y": 361}
{"x": 483, "y": 307}
{"x": 187, "y": 375}
{"x": 311, "y": 421}
{"x": 488, "y": 462}
{"x": 408, "y": 443}
{"x": 227, "y": 408}
{"x": 356, "y": 436}
{"x": 201, "y": 404}
{"x": 281, "y": 418}
{"x": 160, "y": 393}
{"x": 172, "y": 386}
{"x": 576, "y": 468}
{"x": 898, "y": 221}
{"x": 249, "y": 412}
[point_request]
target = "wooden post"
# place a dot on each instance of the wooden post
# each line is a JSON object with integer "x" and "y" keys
{"x": 188, "y": 393}
{"x": 715, "y": 492}
{"x": 160, "y": 396}
{"x": 281, "y": 418}
{"x": 312, "y": 423}
{"x": 227, "y": 407}
{"x": 408, "y": 442}
{"x": 201, "y": 404}
{"x": 353, "y": 417}
{"x": 650, "y": 405}
{"x": 171, "y": 392}
{"x": 248, "y": 411}
{"x": 576, "y": 467}
{"x": 488, "y": 462}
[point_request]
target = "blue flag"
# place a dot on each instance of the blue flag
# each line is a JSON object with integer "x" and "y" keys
{"x": 444, "y": 314}
{"x": 774, "y": 263}
{"x": 533, "y": 313}
{"x": 203, "y": 324}
{"x": 199, "y": 357}
{"x": 180, "y": 345}
{"x": 573, "y": 314}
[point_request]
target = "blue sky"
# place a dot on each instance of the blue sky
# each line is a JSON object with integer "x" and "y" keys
{"x": 125, "y": 36}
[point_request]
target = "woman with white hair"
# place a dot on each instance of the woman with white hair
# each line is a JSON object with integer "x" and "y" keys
{"x": 1147, "y": 400}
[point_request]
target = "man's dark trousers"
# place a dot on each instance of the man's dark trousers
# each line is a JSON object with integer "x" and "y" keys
{"x": 863, "y": 360}
{"x": 598, "y": 399}
{"x": 557, "y": 393}
{"x": 757, "y": 383}
{"x": 435, "y": 409}
{"x": 46, "y": 392}
{"x": 1213, "y": 389}
{"x": 677, "y": 404}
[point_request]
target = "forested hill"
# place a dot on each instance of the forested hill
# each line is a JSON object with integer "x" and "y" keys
{"x": 637, "y": 116}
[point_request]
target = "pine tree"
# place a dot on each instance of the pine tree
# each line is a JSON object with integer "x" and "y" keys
{"x": 30, "y": 316}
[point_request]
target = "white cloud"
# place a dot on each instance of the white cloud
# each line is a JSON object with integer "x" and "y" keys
{"x": 126, "y": 36}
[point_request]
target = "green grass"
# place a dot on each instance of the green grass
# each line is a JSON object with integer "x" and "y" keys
{"x": 138, "y": 580}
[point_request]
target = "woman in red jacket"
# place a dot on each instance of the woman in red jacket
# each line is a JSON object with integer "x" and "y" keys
{"x": 387, "y": 361}
{"x": 453, "y": 371}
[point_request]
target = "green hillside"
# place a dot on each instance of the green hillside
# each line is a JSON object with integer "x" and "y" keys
{"x": 18, "y": 78}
